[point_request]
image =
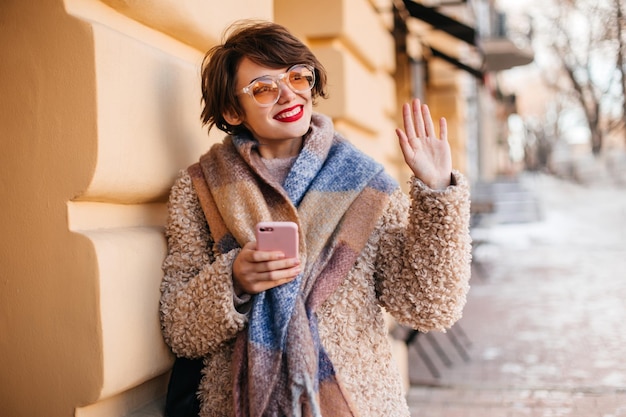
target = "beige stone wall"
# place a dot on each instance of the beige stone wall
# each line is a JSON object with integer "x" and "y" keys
{"x": 354, "y": 42}
{"x": 49, "y": 323}
{"x": 100, "y": 109}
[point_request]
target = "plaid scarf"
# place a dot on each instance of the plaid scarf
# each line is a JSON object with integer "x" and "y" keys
{"x": 336, "y": 194}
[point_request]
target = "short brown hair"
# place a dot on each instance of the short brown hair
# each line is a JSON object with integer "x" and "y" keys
{"x": 265, "y": 43}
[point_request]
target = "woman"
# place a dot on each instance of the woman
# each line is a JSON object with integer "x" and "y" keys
{"x": 305, "y": 336}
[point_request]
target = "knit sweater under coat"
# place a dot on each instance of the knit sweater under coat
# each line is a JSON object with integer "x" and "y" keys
{"x": 416, "y": 265}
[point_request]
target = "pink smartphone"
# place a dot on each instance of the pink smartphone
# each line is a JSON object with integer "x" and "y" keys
{"x": 282, "y": 236}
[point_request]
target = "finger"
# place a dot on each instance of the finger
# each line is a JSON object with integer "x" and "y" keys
{"x": 259, "y": 256}
{"x": 406, "y": 149}
{"x": 283, "y": 264}
{"x": 260, "y": 286}
{"x": 420, "y": 129}
{"x": 443, "y": 129}
{"x": 260, "y": 277}
{"x": 428, "y": 122}
{"x": 278, "y": 275}
{"x": 407, "y": 117}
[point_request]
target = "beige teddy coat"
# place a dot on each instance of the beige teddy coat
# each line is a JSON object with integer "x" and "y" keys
{"x": 416, "y": 266}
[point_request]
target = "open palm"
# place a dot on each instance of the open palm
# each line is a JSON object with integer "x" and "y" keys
{"x": 428, "y": 156}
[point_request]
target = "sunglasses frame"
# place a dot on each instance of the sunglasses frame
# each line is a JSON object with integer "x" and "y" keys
{"x": 284, "y": 78}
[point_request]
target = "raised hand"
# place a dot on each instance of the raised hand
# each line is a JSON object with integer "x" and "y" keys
{"x": 428, "y": 156}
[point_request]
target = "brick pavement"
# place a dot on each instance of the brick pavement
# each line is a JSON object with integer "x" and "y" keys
{"x": 544, "y": 319}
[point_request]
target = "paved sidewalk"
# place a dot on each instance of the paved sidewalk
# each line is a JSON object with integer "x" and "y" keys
{"x": 512, "y": 402}
{"x": 545, "y": 319}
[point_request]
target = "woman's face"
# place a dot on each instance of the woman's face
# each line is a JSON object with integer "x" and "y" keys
{"x": 289, "y": 118}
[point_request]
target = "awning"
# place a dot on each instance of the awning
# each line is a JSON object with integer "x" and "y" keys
{"x": 475, "y": 72}
{"x": 497, "y": 54}
{"x": 441, "y": 22}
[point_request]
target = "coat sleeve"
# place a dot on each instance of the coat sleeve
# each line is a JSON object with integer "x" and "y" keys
{"x": 197, "y": 310}
{"x": 423, "y": 262}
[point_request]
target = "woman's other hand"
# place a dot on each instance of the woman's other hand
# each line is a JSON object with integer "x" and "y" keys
{"x": 428, "y": 156}
{"x": 256, "y": 271}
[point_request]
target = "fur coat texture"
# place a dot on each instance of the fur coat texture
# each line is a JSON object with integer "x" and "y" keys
{"x": 415, "y": 265}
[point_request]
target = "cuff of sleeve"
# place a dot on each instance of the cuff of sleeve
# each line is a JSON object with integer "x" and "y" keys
{"x": 242, "y": 302}
{"x": 457, "y": 179}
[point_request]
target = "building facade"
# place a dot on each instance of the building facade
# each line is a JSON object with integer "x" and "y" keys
{"x": 99, "y": 111}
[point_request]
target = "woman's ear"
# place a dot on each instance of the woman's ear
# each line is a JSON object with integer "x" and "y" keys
{"x": 232, "y": 117}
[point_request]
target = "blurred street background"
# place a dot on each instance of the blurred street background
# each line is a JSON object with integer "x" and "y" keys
{"x": 543, "y": 333}
{"x": 544, "y": 329}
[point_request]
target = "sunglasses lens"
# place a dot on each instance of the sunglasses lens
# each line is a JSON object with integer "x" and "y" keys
{"x": 301, "y": 78}
{"x": 265, "y": 91}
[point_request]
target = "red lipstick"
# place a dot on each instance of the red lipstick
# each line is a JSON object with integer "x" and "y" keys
{"x": 291, "y": 114}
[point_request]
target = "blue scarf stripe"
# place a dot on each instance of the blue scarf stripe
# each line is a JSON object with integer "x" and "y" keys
{"x": 302, "y": 173}
{"x": 270, "y": 315}
{"x": 351, "y": 170}
{"x": 383, "y": 183}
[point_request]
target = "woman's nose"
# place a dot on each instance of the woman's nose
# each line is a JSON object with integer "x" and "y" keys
{"x": 286, "y": 93}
